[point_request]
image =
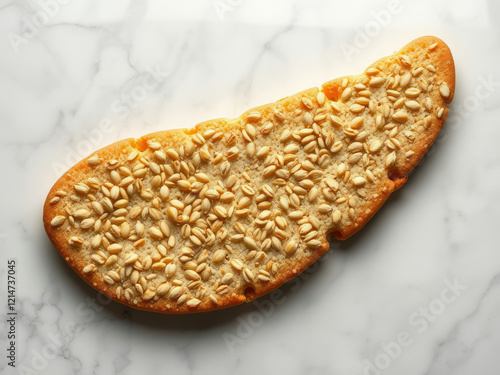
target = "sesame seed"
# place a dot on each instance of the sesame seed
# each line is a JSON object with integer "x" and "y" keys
{"x": 291, "y": 248}
{"x": 58, "y": 221}
{"x": 237, "y": 264}
{"x": 400, "y": 116}
{"x": 440, "y": 113}
{"x": 358, "y": 181}
{"x": 336, "y": 216}
{"x": 291, "y": 149}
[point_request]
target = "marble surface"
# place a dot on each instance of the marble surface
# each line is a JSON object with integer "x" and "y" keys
{"x": 416, "y": 292}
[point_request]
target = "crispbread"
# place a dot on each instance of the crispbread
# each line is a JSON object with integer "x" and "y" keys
{"x": 193, "y": 220}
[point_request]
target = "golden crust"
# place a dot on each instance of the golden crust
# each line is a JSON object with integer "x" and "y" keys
{"x": 443, "y": 62}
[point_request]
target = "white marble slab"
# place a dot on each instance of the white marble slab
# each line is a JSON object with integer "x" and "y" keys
{"x": 416, "y": 292}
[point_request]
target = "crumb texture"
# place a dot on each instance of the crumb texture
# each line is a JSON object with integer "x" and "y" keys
{"x": 194, "y": 220}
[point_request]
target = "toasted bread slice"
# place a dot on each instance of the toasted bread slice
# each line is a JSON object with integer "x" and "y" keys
{"x": 194, "y": 220}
